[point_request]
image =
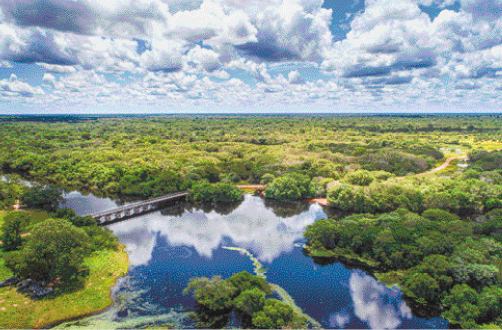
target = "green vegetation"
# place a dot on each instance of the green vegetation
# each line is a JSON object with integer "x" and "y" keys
{"x": 157, "y": 155}
{"x": 13, "y": 224}
{"x": 246, "y": 296}
{"x": 459, "y": 193}
{"x": 54, "y": 249}
{"x": 44, "y": 198}
{"x": 70, "y": 300}
{"x": 438, "y": 236}
{"x": 437, "y": 259}
{"x": 221, "y": 192}
{"x": 77, "y": 258}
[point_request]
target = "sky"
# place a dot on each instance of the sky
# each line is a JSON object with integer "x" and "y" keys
{"x": 250, "y": 56}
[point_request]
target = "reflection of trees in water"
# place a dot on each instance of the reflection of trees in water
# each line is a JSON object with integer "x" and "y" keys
{"x": 417, "y": 310}
{"x": 286, "y": 209}
{"x": 220, "y": 208}
{"x": 179, "y": 209}
{"x": 334, "y": 213}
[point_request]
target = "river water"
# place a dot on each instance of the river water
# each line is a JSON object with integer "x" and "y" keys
{"x": 167, "y": 248}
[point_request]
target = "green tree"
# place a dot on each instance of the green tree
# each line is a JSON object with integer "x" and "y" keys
{"x": 244, "y": 281}
{"x": 462, "y": 306}
{"x": 251, "y": 301}
{"x": 359, "y": 177}
{"x": 14, "y": 223}
{"x": 55, "y": 248}
{"x": 267, "y": 178}
{"x": 40, "y": 197}
{"x": 275, "y": 315}
{"x": 283, "y": 188}
{"x": 214, "y": 294}
{"x": 322, "y": 233}
{"x": 422, "y": 287}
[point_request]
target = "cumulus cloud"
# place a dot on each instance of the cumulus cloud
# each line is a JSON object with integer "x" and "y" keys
{"x": 294, "y": 77}
{"x": 59, "y": 69}
{"x": 109, "y": 18}
{"x": 390, "y": 46}
{"x": 164, "y": 55}
{"x": 14, "y": 88}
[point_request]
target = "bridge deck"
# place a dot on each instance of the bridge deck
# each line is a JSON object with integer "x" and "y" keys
{"x": 139, "y": 204}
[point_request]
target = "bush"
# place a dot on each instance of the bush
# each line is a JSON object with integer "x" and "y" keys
{"x": 70, "y": 215}
{"x": 221, "y": 192}
{"x": 277, "y": 315}
{"x": 250, "y": 301}
{"x": 55, "y": 248}
{"x": 45, "y": 198}
{"x": 359, "y": 177}
{"x": 440, "y": 215}
{"x": 267, "y": 178}
{"x": 101, "y": 238}
{"x": 14, "y": 223}
{"x": 290, "y": 187}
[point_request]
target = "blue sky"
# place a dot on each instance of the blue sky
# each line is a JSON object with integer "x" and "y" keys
{"x": 189, "y": 56}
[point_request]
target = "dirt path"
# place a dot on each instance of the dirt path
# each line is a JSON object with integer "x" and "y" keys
{"x": 256, "y": 186}
{"x": 439, "y": 168}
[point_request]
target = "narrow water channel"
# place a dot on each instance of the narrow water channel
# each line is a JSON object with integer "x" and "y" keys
{"x": 167, "y": 248}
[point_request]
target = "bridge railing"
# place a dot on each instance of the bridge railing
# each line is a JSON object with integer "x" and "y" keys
{"x": 138, "y": 204}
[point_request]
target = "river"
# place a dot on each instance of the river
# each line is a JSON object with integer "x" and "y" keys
{"x": 167, "y": 248}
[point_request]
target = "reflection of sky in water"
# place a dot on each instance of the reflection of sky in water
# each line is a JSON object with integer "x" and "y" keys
{"x": 251, "y": 226}
{"x": 165, "y": 251}
{"x": 87, "y": 204}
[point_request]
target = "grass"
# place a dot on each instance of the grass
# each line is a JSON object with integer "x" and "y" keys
{"x": 341, "y": 254}
{"x": 2, "y": 214}
{"x": 19, "y": 311}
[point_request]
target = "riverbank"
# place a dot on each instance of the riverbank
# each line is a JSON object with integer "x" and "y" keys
{"x": 17, "y": 311}
{"x": 346, "y": 256}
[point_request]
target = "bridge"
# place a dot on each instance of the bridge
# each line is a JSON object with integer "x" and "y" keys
{"x": 136, "y": 209}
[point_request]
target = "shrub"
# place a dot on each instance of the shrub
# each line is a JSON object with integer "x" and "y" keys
{"x": 14, "y": 223}
{"x": 45, "y": 198}
{"x": 55, "y": 248}
{"x": 440, "y": 215}
{"x": 267, "y": 178}
{"x": 359, "y": 177}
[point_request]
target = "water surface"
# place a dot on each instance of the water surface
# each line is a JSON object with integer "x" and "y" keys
{"x": 167, "y": 248}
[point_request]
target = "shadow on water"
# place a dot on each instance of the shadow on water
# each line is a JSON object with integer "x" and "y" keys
{"x": 286, "y": 209}
{"x": 418, "y": 310}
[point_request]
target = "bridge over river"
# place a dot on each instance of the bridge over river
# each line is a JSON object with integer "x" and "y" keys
{"x": 136, "y": 209}
{"x": 149, "y": 205}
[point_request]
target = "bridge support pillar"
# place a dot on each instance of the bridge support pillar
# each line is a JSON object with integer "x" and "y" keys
{"x": 108, "y": 218}
{"x": 137, "y": 210}
{"x": 127, "y": 213}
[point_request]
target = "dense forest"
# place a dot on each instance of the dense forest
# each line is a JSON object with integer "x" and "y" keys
{"x": 438, "y": 236}
{"x": 151, "y": 156}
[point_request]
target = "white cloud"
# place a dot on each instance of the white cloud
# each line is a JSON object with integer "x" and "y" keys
{"x": 165, "y": 55}
{"x": 14, "y": 88}
{"x": 294, "y": 77}
{"x": 60, "y": 69}
{"x": 49, "y": 79}
{"x": 339, "y": 320}
{"x": 123, "y": 18}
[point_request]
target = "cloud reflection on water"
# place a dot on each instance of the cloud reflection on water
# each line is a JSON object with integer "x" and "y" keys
{"x": 251, "y": 226}
{"x": 375, "y": 304}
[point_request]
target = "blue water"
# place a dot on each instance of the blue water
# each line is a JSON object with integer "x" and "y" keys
{"x": 165, "y": 251}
